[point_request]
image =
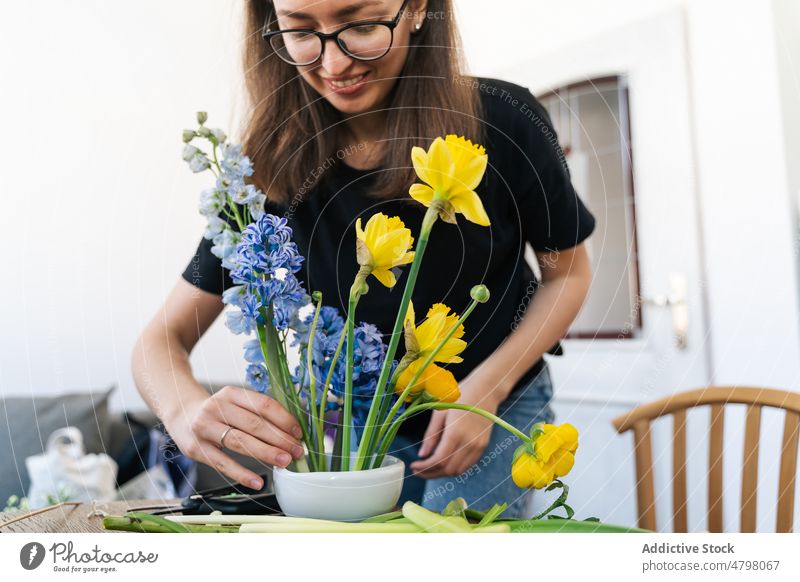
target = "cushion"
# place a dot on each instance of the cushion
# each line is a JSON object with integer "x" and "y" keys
{"x": 25, "y": 424}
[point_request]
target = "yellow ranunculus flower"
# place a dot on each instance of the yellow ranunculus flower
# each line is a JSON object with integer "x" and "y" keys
{"x": 426, "y": 336}
{"x": 451, "y": 168}
{"x": 435, "y": 382}
{"x": 553, "y": 456}
{"x": 383, "y": 245}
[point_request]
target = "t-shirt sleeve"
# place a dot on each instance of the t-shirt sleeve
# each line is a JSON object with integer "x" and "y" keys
{"x": 205, "y": 271}
{"x": 553, "y": 215}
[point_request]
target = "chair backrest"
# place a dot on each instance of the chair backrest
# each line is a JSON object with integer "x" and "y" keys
{"x": 716, "y": 397}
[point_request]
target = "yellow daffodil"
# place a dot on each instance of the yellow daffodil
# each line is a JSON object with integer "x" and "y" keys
{"x": 551, "y": 454}
{"x": 424, "y": 338}
{"x": 384, "y": 244}
{"x": 435, "y": 383}
{"x": 451, "y": 168}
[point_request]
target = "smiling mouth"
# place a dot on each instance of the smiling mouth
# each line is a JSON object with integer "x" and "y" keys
{"x": 346, "y": 86}
{"x": 346, "y": 82}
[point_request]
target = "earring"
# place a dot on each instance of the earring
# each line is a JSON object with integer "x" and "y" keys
{"x": 418, "y": 25}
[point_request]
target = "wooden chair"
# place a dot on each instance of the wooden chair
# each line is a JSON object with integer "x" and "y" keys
{"x": 639, "y": 420}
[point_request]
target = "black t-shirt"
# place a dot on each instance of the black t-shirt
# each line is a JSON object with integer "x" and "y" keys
{"x": 526, "y": 192}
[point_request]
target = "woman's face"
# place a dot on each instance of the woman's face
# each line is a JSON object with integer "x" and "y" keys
{"x": 350, "y": 85}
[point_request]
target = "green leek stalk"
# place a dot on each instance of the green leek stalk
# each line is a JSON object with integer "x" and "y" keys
{"x": 145, "y": 523}
{"x": 329, "y": 527}
{"x": 432, "y": 522}
{"x": 394, "y": 339}
{"x": 556, "y": 525}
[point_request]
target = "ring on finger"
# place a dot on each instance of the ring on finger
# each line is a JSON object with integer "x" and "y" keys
{"x": 222, "y": 438}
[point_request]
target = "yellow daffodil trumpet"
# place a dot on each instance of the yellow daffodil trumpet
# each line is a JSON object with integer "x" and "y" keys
{"x": 382, "y": 246}
{"x": 451, "y": 169}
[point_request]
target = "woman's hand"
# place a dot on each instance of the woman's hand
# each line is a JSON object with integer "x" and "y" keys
{"x": 456, "y": 439}
{"x": 260, "y": 428}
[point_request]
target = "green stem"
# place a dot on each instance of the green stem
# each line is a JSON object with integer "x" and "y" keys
{"x": 236, "y": 215}
{"x": 427, "y": 224}
{"x": 384, "y": 409}
{"x": 281, "y": 387}
{"x": 312, "y": 386}
{"x": 299, "y": 413}
{"x": 395, "y": 426}
{"x": 427, "y": 362}
{"x": 324, "y": 401}
{"x": 356, "y": 291}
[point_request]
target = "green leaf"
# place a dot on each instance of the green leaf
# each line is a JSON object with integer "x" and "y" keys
{"x": 522, "y": 449}
{"x": 536, "y": 430}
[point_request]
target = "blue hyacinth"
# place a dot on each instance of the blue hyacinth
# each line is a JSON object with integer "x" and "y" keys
{"x": 369, "y": 351}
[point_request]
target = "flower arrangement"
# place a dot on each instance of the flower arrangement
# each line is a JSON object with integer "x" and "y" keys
{"x": 348, "y": 385}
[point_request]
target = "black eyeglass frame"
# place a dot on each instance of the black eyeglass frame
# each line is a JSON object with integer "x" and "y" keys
{"x": 268, "y": 34}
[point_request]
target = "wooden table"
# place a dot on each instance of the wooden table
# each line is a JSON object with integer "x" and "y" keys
{"x": 70, "y": 518}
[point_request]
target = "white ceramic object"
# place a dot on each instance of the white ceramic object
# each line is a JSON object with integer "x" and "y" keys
{"x": 340, "y": 496}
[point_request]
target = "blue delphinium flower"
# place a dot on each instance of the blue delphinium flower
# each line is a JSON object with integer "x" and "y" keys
{"x": 211, "y": 203}
{"x": 252, "y": 352}
{"x": 234, "y": 163}
{"x": 225, "y": 247}
{"x": 257, "y": 377}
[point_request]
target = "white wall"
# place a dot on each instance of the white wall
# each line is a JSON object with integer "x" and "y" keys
{"x": 99, "y": 213}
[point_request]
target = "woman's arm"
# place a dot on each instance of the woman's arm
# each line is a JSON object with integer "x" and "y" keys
{"x": 196, "y": 420}
{"x": 455, "y": 439}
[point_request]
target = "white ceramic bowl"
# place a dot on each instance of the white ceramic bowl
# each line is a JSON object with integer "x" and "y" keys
{"x": 340, "y": 496}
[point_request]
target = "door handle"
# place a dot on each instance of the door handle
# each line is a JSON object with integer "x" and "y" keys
{"x": 677, "y": 302}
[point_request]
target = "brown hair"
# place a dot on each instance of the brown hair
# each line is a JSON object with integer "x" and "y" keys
{"x": 290, "y": 130}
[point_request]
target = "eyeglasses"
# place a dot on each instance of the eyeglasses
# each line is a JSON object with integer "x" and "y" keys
{"x": 366, "y": 40}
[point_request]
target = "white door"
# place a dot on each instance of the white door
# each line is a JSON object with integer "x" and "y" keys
{"x": 598, "y": 379}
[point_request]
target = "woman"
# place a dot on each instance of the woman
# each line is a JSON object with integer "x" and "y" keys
{"x": 340, "y": 91}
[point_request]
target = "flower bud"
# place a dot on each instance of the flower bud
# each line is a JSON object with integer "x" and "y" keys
{"x": 188, "y": 135}
{"x": 202, "y": 116}
{"x": 189, "y": 151}
{"x": 479, "y": 293}
{"x": 316, "y": 296}
{"x": 219, "y": 135}
{"x": 203, "y": 131}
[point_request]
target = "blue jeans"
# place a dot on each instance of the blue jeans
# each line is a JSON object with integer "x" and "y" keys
{"x": 488, "y": 481}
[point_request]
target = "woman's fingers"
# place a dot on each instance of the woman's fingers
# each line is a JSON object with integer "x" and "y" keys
{"x": 265, "y": 407}
{"x": 212, "y": 456}
{"x": 255, "y": 425}
{"x": 433, "y": 433}
{"x": 435, "y": 465}
{"x": 241, "y": 442}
